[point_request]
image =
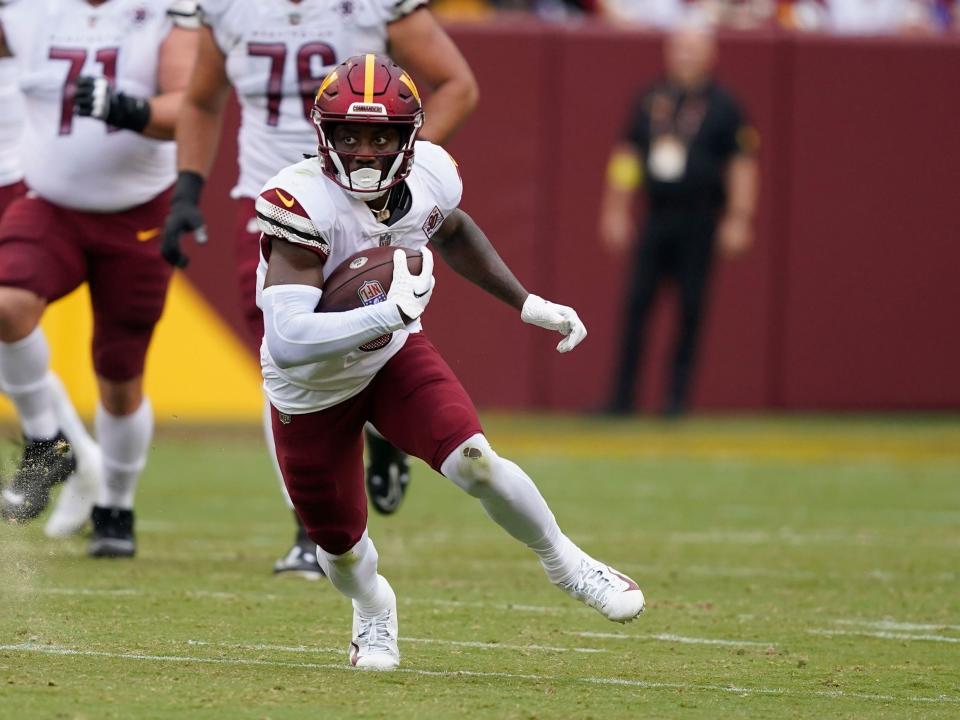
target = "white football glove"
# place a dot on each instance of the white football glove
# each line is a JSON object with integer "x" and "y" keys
{"x": 411, "y": 293}
{"x": 551, "y": 316}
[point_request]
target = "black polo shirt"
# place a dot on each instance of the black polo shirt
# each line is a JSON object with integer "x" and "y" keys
{"x": 711, "y": 127}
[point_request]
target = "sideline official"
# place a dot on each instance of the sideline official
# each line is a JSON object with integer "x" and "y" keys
{"x": 689, "y": 147}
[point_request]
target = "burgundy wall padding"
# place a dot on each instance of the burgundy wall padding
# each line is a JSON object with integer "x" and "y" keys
{"x": 847, "y": 300}
{"x": 500, "y": 153}
{"x": 736, "y": 339}
{"x": 873, "y": 244}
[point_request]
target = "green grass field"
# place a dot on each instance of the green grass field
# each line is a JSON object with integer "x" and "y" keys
{"x": 794, "y": 568}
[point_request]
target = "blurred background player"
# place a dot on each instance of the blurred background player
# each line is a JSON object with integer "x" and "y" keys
{"x": 73, "y": 506}
{"x": 275, "y": 55}
{"x": 688, "y": 143}
{"x": 324, "y": 385}
{"x": 11, "y": 125}
{"x": 102, "y": 83}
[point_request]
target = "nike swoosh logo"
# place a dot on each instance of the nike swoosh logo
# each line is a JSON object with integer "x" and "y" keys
{"x": 287, "y": 202}
{"x": 420, "y": 295}
{"x": 144, "y": 235}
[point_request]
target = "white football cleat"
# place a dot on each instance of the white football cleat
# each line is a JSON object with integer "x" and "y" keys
{"x": 75, "y": 502}
{"x": 374, "y": 645}
{"x": 611, "y": 593}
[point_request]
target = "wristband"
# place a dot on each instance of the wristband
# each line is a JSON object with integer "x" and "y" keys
{"x": 188, "y": 187}
{"x": 128, "y": 112}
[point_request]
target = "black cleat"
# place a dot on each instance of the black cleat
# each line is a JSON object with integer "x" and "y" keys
{"x": 112, "y": 533}
{"x": 44, "y": 463}
{"x": 388, "y": 474}
{"x": 301, "y": 559}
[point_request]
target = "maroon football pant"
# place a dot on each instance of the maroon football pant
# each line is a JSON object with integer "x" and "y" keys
{"x": 9, "y": 193}
{"x": 415, "y": 401}
{"x": 51, "y": 250}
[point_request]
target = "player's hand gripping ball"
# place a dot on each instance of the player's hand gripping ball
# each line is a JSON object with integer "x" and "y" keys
{"x": 364, "y": 278}
{"x": 376, "y": 275}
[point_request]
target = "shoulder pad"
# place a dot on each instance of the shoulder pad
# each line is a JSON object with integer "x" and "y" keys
{"x": 185, "y": 13}
{"x": 399, "y": 9}
{"x": 442, "y": 174}
{"x": 281, "y": 215}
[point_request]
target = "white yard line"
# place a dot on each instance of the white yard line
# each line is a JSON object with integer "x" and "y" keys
{"x": 883, "y": 635}
{"x": 895, "y": 625}
{"x": 428, "y": 641}
{"x": 667, "y": 637}
{"x": 623, "y": 682}
{"x": 788, "y": 536}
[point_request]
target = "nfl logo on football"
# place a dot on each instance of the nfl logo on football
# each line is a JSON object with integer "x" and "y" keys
{"x": 371, "y": 292}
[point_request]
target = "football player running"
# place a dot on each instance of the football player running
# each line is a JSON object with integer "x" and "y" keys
{"x": 11, "y": 124}
{"x": 72, "y": 510}
{"x": 102, "y": 82}
{"x": 275, "y": 55}
{"x": 323, "y": 385}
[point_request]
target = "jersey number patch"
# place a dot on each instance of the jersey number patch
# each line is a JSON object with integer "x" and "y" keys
{"x": 77, "y": 57}
{"x": 307, "y": 81}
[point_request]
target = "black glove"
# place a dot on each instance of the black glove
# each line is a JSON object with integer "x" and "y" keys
{"x": 185, "y": 216}
{"x": 95, "y": 97}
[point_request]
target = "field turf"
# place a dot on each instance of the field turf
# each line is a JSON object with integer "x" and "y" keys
{"x": 794, "y": 568}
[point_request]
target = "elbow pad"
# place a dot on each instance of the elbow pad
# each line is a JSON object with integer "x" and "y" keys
{"x": 297, "y": 335}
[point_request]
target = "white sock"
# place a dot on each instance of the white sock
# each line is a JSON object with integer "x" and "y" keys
{"x": 272, "y": 450}
{"x": 23, "y": 370}
{"x": 355, "y": 575}
{"x": 124, "y": 441}
{"x": 70, "y": 422}
{"x": 512, "y": 500}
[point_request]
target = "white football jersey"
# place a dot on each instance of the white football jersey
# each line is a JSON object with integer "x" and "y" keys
{"x": 11, "y": 119}
{"x": 11, "y": 123}
{"x": 80, "y": 162}
{"x": 303, "y": 206}
{"x": 277, "y": 54}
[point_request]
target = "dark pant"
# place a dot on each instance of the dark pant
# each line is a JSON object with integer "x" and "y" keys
{"x": 418, "y": 404}
{"x": 51, "y": 250}
{"x": 677, "y": 245}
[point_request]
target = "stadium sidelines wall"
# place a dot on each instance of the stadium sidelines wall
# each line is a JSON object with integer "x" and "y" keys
{"x": 847, "y": 301}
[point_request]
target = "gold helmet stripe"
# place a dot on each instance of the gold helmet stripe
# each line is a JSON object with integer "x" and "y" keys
{"x": 368, "y": 73}
{"x": 326, "y": 83}
{"x": 406, "y": 80}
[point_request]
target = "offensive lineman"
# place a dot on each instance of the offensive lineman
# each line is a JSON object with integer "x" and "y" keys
{"x": 323, "y": 385}
{"x": 79, "y": 493}
{"x": 275, "y": 55}
{"x": 102, "y": 81}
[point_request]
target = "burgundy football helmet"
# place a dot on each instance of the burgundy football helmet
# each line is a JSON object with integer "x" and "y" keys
{"x": 367, "y": 89}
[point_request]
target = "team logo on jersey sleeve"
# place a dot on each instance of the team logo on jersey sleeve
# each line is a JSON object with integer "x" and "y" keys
{"x": 433, "y": 222}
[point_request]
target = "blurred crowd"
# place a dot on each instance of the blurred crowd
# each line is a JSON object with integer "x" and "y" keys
{"x": 850, "y": 17}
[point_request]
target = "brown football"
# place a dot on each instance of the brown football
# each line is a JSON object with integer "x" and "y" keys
{"x": 364, "y": 279}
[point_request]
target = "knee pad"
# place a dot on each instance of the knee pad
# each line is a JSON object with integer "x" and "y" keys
{"x": 342, "y": 559}
{"x": 472, "y": 466}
